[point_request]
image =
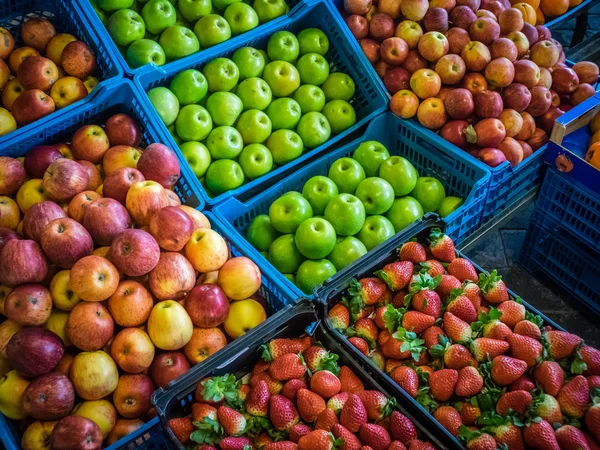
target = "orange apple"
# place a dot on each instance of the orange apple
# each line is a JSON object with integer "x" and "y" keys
{"x": 476, "y": 56}
{"x": 169, "y": 325}
{"x": 64, "y": 365}
{"x": 102, "y": 412}
{"x": 144, "y": 199}
{"x": 122, "y": 428}
{"x": 174, "y": 199}
{"x": 90, "y": 143}
{"x": 425, "y": 83}
{"x": 132, "y": 350}
{"x": 94, "y": 175}
{"x": 90, "y": 326}
{"x": 451, "y": 69}
{"x": 512, "y": 121}
{"x": 7, "y": 43}
{"x": 239, "y": 278}
{"x": 120, "y": 156}
{"x": 131, "y": 304}
{"x": 94, "y": 375}
{"x": 199, "y": 219}
{"x": 78, "y": 203}
{"x": 172, "y": 278}
{"x": 18, "y": 56}
{"x": 56, "y": 45}
{"x": 204, "y": 343}
{"x": 433, "y": 45}
{"x": 133, "y": 395}
{"x": 4, "y": 74}
{"x": 545, "y": 54}
{"x": 94, "y": 278}
{"x": 10, "y": 216}
{"x": 67, "y": 91}
{"x": 432, "y": 113}
{"x": 206, "y": 250}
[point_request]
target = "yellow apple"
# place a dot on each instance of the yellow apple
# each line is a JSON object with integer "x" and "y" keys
{"x": 37, "y": 436}
{"x": 10, "y": 216}
{"x": 12, "y": 388}
{"x": 31, "y": 193}
{"x": 63, "y": 296}
{"x": 169, "y": 325}
{"x": 90, "y": 83}
{"x": 4, "y": 366}
{"x": 100, "y": 411}
{"x": 206, "y": 250}
{"x": 7, "y": 122}
{"x": 67, "y": 91}
{"x": 56, "y": 45}
{"x": 7, "y": 330}
{"x": 243, "y": 316}
{"x": 94, "y": 375}
{"x": 57, "y": 323}
{"x": 199, "y": 219}
{"x": 4, "y": 291}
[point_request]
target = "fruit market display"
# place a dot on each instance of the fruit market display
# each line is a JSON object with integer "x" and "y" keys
{"x": 241, "y": 117}
{"x": 480, "y": 73}
{"x": 489, "y": 371}
{"x": 362, "y": 202}
{"x": 593, "y": 154}
{"x": 109, "y": 287}
{"x": 41, "y": 72}
{"x": 297, "y": 397}
{"x": 160, "y": 31}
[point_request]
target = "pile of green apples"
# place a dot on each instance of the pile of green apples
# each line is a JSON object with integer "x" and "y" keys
{"x": 160, "y": 31}
{"x": 239, "y": 118}
{"x": 363, "y": 202}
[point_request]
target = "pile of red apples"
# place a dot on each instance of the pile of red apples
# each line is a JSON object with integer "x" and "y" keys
{"x": 477, "y": 72}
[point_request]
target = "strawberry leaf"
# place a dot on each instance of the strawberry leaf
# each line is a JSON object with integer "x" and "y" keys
{"x": 384, "y": 276}
{"x": 208, "y": 431}
{"x": 217, "y": 389}
{"x": 578, "y": 366}
{"x": 392, "y": 317}
{"x": 255, "y": 425}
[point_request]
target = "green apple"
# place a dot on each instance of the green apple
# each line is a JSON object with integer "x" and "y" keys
{"x": 263, "y": 52}
{"x": 314, "y": 129}
{"x": 400, "y": 173}
{"x": 224, "y": 175}
{"x": 165, "y": 103}
{"x": 174, "y": 135}
{"x": 224, "y": 108}
{"x": 285, "y": 146}
{"x": 224, "y": 143}
{"x": 312, "y": 274}
{"x": 254, "y": 126}
{"x": 313, "y": 69}
{"x": 193, "y": 123}
{"x": 255, "y": 93}
{"x": 221, "y": 74}
{"x": 260, "y": 233}
{"x": 403, "y": 212}
{"x": 284, "y": 254}
{"x": 125, "y": 26}
{"x": 269, "y": 9}
{"x": 340, "y": 115}
{"x": 250, "y": 62}
{"x": 375, "y": 231}
{"x": 114, "y": 5}
{"x": 256, "y": 160}
{"x": 189, "y": 86}
{"x": 376, "y": 194}
{"x": 430, "y": 193}
{"x": 193, "y": 10}
{"x": 289, "y": 211}
{"x": 315, "y": 238}
{"x": 145, "y": 51}
{"x": 310, "y": 98}
{"x": 290, "y": 277}
{"x": 283, "y": 46}
{"x": 370, "y": 155}
{"x": 285, "y": 113}
{"x": 212, "y": 30}
{"x": 318, "y": 191}
{"x": 159, "y": 15}
{"x": 178, "y": 42}
{"x": 283, "y": 78}
{"x": 241, "y": 18}
{"x": 181, "y": 21}
{"x": 313, "y": 40}
{"x": 346, "y": 213}
{"x": 197, "y": 156}
{"x": 449, "y": 205}
{"x": 222, "y": 5}
{"x": 99, "y": 12}
{"x": 347, "y": 174}
{"x": 346, "y": 250}
{"x": 338, "y": 86}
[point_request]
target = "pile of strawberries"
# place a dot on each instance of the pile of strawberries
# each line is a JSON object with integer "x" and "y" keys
{"x": 295, "y": 398}
{"x": 487, "y": 369}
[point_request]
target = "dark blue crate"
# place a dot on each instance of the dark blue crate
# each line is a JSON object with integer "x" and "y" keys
{"x": 66, "y": 18}
{"x": 460, "y": 177}
{"x": 369, "y": 99}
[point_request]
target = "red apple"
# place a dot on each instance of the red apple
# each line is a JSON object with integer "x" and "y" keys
{"x": 541, "y": 100}
{"x": 381, "y": 67}
{"x": 78, "y": 60}
{"x": 459, "y": 104}
{"x": 500, "y": 73}
{"x": 564, "y": 80}
{"x": 37, "y": 72}
{"x": 144, "y": 199}
{"x": 547, "y": 120}
{"x": 393, "y": 51}
{"x": 454, "y": 132}
{"x": 94, "y": 278}
{"x": 90, "y": 143}
{"x": 381, "y": 27}
{"x": 359, "y": 26}
{"x": 132, "y": 350}
{"x": 474, "y": 83}
{"x": 490, "y": 132}
{"x": 527, "y": 73}
{"x": 512, "y": 151}
{"x": 583, "y": 92}
{"x": 396, "y": 79}
{"x": 32, "y": 105}
{"x": 436, "y": 19}
{"x": 527, "y": 150}
{"x": 414, "y": 61}
{"x": 121, "y": 129}
{"x": 117, "y": 183}
{"x": 22, "y": 261}
{"x": 473, "y": 4}
{"x": 462, "y": 17}
{"x": 133, "y": 395}
{"x": 159, "y": 163}
{"x": 94, "y": 176}
{"x": 527, "y": 129}
{"x": 6, "y": 234}
{"x": 404, "y": 104}
{"x": 131, "y": 304}
{"x": 457, "y": 40}
{"x": 76, "y": 432}
{"x": 135, "y": 252}
{"x": 360, "y": 7}
{"x": 510, "y": 20}
{"x": 38, "y": 216}
{"x": 172, "y": 228}
{"x": 207, "y": 305}
{"x": 587, "y": 72}
{"x": 34, "y": 351}
{"x": 433, "y": 45}
{"x": 172, "y": 278}
{"x": 448, "y": 5}
{"x": 451, "y": 69}
{"x": 543, "y": 33}
{"x": 495, "y": 7}
{"x": 12, "y": 175}
{"x": 65, "y": 241}
{"x": 39, "y": 158}
{"x": 64, "y": 179}
{"x": 530, "y": 33}
{"x": 538, "y": 139}
{"x": 167, "y": 366}
{"x": 491, "y": 156}
{"x": 484, "y": 30}
{"x": 545, "y": 78}
{"x": 488, "y": 104}
{"x": 105, "y": 218}
{"x": 504, "y": 47}
{"x": 49, "y": 397}
{"x": 512, "y": 121}
{"x": 517, "y": 97}
{"x": 28, "y": 304}
{"x": 79, "y": 203}
{"x": 370, "y": 48}
{"x": 90, "y": 326}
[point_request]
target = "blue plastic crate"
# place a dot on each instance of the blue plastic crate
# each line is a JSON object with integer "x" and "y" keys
{"x": 66, "y": 18}
{"x": 99, "y": 28}
{"x": 369, "y": 99}
{"x": 460, "y": 177}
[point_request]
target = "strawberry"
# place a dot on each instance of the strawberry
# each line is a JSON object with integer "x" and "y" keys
{"x": 493, "y": 288}
{"x": 417, "y": 321}
{"x": 325, "y": 383}
{"x": 522, "y": 384}
{"x": 299, "y": 430}
{"x": 397, "y": 445}
{"x": 398, "y": 298}
{"x": 261, "y": 366}
{"x": 469, "y": 410}
{"x": 447, "y": 285}
{"x": 257, "y": 402}
{"x": 472, "y": 291}
{"x": 476, "y": 440}
{"x": 422, "y": 295}
{"x": 560, "y": 344}
{"x": 216, "y": 390}
{"x": 280, "y": 347}
{"x": 376, "y": 404}
{"x": 310, "y": 405}
{"x": 441, "y": 246}
{"x": 396, "y": 275}
{"x": 593, "y": 382}
{"x": 243, "y": 392}
{"x": 233, "y": 422}
{"x": 517, "y": 401}
{"x": 282, "y": 412}
{"x": 456, "y": 356}
{"x": 420, "y": 445}
{"x": 351, "y": 442}
{"x": 391, "y": 365}
{"x": 337, "y": 401}
{"x": 235, "y": 443}
{"x": 291, "y": 388}
{"x": 281, "y": 445}
{"x": 528, "y": 328}
{"x": 410, "y": 344}
{"x": 407, "y": 379}
{"x": 525, "y": 348}
{"x": 201, "y": 411}
{"x": 512, "y": 313}
{"x": 546, "y": 407}
{"x": 487, "y": 348}
{"x": 182, "y": 428}
{"x": 262, "y": 440}
{"x": 573, "y": 397}
{"x": 432, "y": 267}
{"x": 505, "y": 433}
{"x": 550, "y": 376}
{"x": 401, "y": 428}
{"x": 339, "y": 317}
{"x": 457, "y": 329}
{"x": 317, "y": 440}
{"x": 461, "y": 307}
{"x": 413, "y": 252}
{"x": 431, "y": 336}
{"x": 470, "y": 382}
{"x": 449, "y": 418}
{"x": 377, "y": 359}
{"x": 463, "y": 270}
{"x": 317, "y": 358}
{"x": 442, "y": 384}
{"x": 379, "y": 316}
{"x": 591, "y": 358}
{"x": 375, "y": 436}
{"x": 364, "y": 328}
{"x": 539, "y": 434}
{"x": 350, "y": 382}
{"x": 505, "y": 369}
{"x": 370, "y": 291}
{"x": 353, "y": 414}
{"x": 326, "y": 420}
{"x": 592, "y": 416}
{"x": 489, "y": 326}
{"x": 360, "y": 344}
{"x": 571, "y": 438}
{"x": 287, "y": 367}
{"x": 591, "y": 441}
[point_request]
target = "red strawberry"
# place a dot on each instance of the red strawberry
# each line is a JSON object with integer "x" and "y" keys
{"x": 420, "y": 445}
{"x": 379, "y": 316}
{"x": 365, "y": 328}
{"x": 469, "y": 411}
{"x": 506, "y": 433}
{"x": 375, "y": 436}
{"x": 593, "y": 382}
{"x": 291, "y": 388}
{"x": 431, "y": 336}
{"x": 339, "y": 317}
{"x": 370, "y": 291}
{"x": 591, "y": 441}
{"x": 397, "y": 445}
{"x": 401, "y": 428}
{"x": 325, "y": 383}
{"x": 391, "y": 365}
{"x": 592, "y": 417}
{"x": 484, "y": 348}
{"x": 201, "y": 411}
{"x": 310, "y": 405}
{"x": 337, "y": 401}
{"x": 560, "y": 344}
{"x": 432, "y": 267}
{"x": 477, "y": 440}
{"x": 472, "y": 292}
{"x": 525, "y": 348}
{"x": 404, "y": 344}
{"x": 449, "y": 418}
{"x": 417, "y": 321}
{"x": 493, "y": 288}
{"x": 281, "y": 445}
{"x": 539, "y": 434}
{"x": 377, "y": 359}
{"x": 528, "y": 328}
{"x": 457, "y": 329}
{"x": 351, "y": 442}
{"x": 273, "y": 385}
{"x": 282, "y": 412}
{"x": 462, "y": 308}
{"x": 463, "y": 269}
{"x": 413, "y": 252}
{"x": 571, "y": 438}
{"x": 457, "y": 356}
{"x": 257, "y": 401}
{"x": 470, "y": 382}
{"x": 441, "y": 246}
{"x": 360, "y": 344}
{"x": 573, "y": 397}
{"x": 512, "y": 313}
{"x": 591, "y": 358}
{"x": 517, "y": 401}
{"x": 182, "y": 428}
{"x": 233, "y": 422}
{"x": 396, "y": 275}
{"x": 398, "y": 298}
{"x": 353, "y": 414}
{"x": 522, "y": 384}
{"x": 261, "y": 366}
{"x": 350, "y": 382}
{"x": 376, "y": 404}
{"x": 326, "y": 420}
{"x": 550, "y": 376}
{"x": 505, "y": 369}
{"x": 407, "y": 379}
{"x": 447, "y": 285}
{"x": 442, "y": 384}
{"x": 299, "y": 430}
{"x": 262, "y": 440}
{"x": 423, "y": 296}
{"x": 280, "y": 347}
{"x": 546, "y": 407}
{"x": 491, "y": 327}
{"x": 316, "y": 440}
{"x": 235, "y": 443}
{"x": 287, "y": 367}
